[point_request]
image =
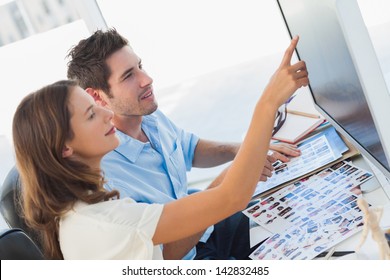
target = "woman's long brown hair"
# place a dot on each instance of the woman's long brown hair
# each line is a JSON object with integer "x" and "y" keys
{"x": 51, "y": 184}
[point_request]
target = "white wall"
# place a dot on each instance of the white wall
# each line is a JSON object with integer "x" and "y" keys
{"x": 182, "y": 39}
{"x": 31, "y": 63}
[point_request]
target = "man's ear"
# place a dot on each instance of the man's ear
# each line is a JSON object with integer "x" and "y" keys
{"x": 97, "y": 96}
{"x": 67, "y": 151}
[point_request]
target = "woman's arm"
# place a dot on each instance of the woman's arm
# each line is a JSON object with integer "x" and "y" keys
{"x": 194, "y": 213}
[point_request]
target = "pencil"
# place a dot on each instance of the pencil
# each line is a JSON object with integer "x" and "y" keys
{"x": 303, "y": 114}
{"x": 330, "y": 253}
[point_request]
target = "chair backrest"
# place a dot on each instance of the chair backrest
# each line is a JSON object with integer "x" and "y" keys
{"x": 9, "y": 194}
{"x": 16, "y": 245}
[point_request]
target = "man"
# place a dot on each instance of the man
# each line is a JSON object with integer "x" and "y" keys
{"x": 151, "y": 162}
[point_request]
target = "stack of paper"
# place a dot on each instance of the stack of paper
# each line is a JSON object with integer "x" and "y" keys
{"x": 317, "y": 151}
{"x": 311, "y": 215}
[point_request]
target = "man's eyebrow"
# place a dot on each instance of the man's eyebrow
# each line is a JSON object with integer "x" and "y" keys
{"x": 126, "y": 73}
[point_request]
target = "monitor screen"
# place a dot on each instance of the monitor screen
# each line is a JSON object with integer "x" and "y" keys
{"x": 335, "y": 45}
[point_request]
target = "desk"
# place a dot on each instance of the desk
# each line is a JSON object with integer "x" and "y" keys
{"x": 373, "y": 193}
{"x": 321, "y": 209}
{"x": 376, "y": 197}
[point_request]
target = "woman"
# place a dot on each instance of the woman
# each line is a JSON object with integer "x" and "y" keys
{"x": 60, "y": 137}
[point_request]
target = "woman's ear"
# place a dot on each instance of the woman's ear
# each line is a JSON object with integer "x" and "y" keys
{"x": 67, "y": 151}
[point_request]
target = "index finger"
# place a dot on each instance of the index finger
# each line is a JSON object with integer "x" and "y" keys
{"x": 286, "y": 61}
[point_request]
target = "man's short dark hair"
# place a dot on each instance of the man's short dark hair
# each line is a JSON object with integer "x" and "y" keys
{"x": 87, "y": 60}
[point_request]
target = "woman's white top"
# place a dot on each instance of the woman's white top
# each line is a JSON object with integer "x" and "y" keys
{"x": 115, "y": 229}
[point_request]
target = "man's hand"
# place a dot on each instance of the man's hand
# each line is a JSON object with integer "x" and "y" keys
{"x": 268, "y": 168}
{"x": 281, "y": 151}
{"x": 208, "y": 154}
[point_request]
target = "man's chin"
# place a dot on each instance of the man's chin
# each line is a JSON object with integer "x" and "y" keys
{"x": 151, "y": 110}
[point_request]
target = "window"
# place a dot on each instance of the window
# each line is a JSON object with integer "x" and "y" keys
{"x": 33, "y": 46}
{"x": 23, "y": 18}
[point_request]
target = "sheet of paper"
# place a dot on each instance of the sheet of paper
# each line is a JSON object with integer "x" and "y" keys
{"x": 258, "y": 234}
{"x": 316, "y": 151}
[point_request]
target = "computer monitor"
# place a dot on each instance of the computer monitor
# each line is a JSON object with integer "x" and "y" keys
{"x": 346, "y": 81}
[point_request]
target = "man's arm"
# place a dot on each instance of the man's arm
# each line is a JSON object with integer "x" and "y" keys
{"x": 210, "y": 153}
{"x": 178, "y": 249}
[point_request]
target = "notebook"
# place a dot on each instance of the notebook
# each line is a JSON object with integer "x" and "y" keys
{"x": 296, "y": 127}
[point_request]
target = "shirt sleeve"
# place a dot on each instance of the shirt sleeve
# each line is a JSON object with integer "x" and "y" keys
{"x": 188, "y": 143}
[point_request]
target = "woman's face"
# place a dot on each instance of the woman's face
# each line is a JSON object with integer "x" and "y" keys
{"x": 94, "y": 133}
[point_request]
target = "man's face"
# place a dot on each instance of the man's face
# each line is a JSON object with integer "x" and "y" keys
{"x": 131, "y": 87}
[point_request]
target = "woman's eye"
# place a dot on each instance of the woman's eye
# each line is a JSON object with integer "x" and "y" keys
{"x": 91, "y": 116}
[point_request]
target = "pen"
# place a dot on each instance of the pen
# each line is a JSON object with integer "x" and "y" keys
{"x": 335, "y": 254}
{"x": 303, "y": 114}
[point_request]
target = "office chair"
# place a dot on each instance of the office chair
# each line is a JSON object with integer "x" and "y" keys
{"x": 16, "y": 245}
{"x": 9, "y": 193}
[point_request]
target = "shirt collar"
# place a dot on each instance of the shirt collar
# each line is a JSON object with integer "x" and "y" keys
{"x": 131, "y": 148}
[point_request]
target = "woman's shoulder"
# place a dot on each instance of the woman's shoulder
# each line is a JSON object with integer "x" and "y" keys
{"x": 117, "y": 211}
{"x": 119, "y": 229}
